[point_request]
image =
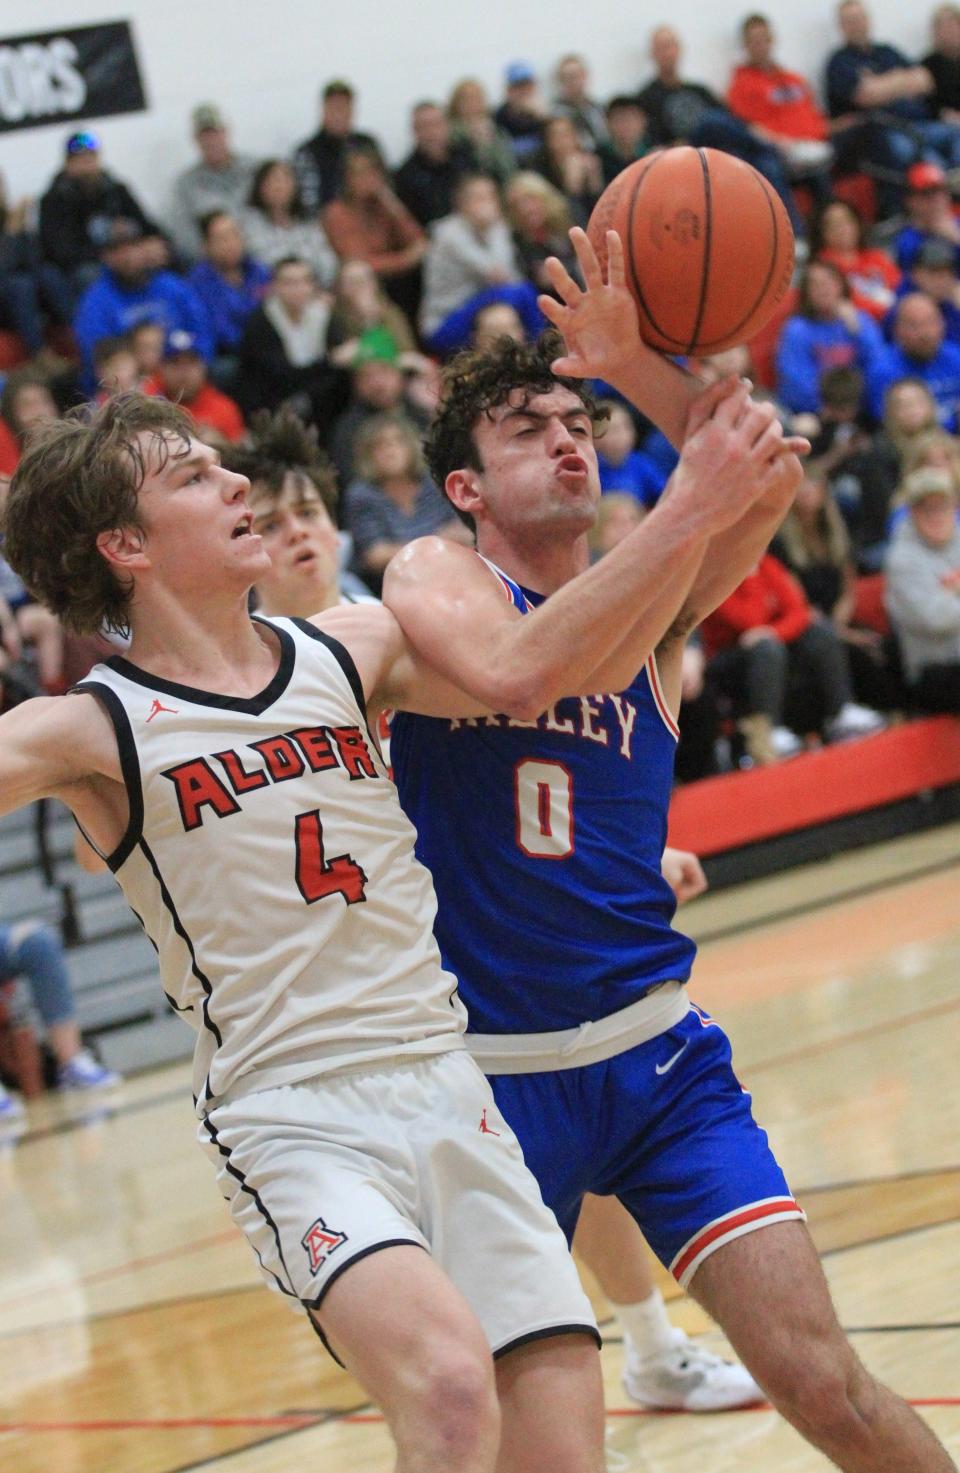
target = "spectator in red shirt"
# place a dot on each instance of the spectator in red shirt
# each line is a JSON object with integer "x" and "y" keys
{"x": 763, "y": 633}
{"x": 780, "y": 108}
{"x": 837, "y": 237}
{"x": 182, "y": 377}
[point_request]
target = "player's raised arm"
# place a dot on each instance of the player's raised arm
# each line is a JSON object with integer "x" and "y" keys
{"x": 457, "y": 615}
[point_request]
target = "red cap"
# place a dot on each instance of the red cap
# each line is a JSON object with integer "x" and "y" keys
{"x": 925, "y": 176}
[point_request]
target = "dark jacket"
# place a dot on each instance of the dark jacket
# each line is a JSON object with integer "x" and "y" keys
{"x": 70, "y": 206}
{"x": 319, "y": 165}
{"x": 426, "y": 188}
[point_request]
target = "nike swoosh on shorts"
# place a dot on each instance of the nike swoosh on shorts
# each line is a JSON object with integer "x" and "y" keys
{"x": 662, "y": 1068}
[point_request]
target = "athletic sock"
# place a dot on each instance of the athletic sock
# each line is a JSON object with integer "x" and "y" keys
{"x": 646, "y": 1325}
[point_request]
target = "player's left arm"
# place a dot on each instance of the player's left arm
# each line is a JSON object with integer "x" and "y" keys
{"x": 392, "y": 674}
{"x": 731, "y": 554}
{"x": 729, "y": 557}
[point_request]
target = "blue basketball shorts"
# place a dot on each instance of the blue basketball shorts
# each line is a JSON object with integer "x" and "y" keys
{"x": 667, "y": 1128}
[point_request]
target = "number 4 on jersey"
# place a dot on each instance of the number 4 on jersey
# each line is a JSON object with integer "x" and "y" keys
{"x": 318, "y": 877}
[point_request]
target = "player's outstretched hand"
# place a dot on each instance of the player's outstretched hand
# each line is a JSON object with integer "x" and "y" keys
{"x": 599, "y": 324}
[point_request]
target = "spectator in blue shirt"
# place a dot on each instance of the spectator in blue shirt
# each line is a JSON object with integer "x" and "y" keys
{"x": 228, "y": 281}
{"x": 919, "y": 351}
{"x": 934, "y": 272}
{"x": 881, "y": 99}
{"x": 930, "y": 215}
{"x": 827, "y": 332}
{"x": 130, "y": 290}
{"x": 622, "y": 466}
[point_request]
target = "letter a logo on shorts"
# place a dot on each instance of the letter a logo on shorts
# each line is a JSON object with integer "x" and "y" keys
{"x": 319, "y": 1242}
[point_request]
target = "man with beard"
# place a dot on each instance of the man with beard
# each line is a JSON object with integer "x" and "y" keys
{"x": 131, "y": 289}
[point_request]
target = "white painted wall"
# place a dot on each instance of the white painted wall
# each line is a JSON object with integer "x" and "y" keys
{"x": 264, "y": 62}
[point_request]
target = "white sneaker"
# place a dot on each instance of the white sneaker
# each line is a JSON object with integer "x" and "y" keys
{"x": 785, "y": 742}
{"x": 11, "y": 1108}
{"x": 854, "y": 721}
{"x": 83, "y": 1072}
{"x": 688, "y": 1378}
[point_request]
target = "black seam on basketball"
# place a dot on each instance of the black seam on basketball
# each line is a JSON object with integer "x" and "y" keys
{"x": 631, "y": 266}
{"x": 705, "y": 257}
{"x": 714, "y": 344}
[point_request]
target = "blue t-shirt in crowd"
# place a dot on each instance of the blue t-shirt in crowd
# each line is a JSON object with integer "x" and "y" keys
{"x": 227, "y": 305}
{"x": 808, "y": 348}
{"x": 109, "y": 308}
{"x": 638, "y": 475}
{"x": 907, "y": 243}
{"x": 940, "y": 374}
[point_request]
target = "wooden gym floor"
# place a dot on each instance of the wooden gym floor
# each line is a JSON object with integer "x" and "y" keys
{"x": 136, "y": 1336}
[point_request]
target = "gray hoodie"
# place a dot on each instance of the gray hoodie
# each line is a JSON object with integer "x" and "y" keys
{"x": 925, "y": 615}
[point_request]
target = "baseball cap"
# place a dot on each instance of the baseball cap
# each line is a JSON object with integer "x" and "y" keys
{"x": 928, "y": 480}
{"x": 206, "y": 115}
{"x": 924, "y": 176}
{"x": 519, "y": 71}
{"x": 937, "y": 255}
{"x": 178, "y": 340}
{"x": 82, "y": 143}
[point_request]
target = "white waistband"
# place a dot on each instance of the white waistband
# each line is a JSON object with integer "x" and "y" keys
{"x": 661, "y": 1008}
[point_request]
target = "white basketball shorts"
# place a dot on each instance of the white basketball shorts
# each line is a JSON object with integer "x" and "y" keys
{"x": 320, "y": 1174}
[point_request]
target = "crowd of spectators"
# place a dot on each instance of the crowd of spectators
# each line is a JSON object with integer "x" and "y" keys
{"x": 328, "y": 283}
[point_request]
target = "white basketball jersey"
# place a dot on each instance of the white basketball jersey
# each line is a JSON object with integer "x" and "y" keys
{"x": 272, "y": 867}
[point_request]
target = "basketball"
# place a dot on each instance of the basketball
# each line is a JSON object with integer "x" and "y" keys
{"x": 708, "y": 247}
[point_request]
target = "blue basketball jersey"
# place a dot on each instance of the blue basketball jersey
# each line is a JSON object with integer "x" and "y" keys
{"x": 544, "y": 840}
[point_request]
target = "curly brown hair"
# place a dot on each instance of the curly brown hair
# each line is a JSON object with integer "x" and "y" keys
{"x": 476, "y": 382}
{"x": 81, "y": 476}
{"x": 281, "y": 445}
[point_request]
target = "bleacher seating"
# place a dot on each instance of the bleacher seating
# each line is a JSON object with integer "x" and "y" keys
{"x": 120, "y": 1005}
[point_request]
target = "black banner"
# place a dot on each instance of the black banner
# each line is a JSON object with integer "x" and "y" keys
{"x": 62, "y": 76}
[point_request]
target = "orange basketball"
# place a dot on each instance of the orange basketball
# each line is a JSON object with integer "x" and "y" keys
{"x": 708, "y": 247}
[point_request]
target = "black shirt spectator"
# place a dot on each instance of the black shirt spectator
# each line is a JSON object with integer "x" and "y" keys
{"x": 943, "y": 63}
{"x": 319, "y": 161}
{"x": 521, "y": 114}
{"x": 83, "y": 196}
{"x": 427, "y": 178}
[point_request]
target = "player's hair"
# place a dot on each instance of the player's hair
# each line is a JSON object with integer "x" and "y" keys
{"x": 474, "y": 383}
{"x": 81, "y": 476}
{"x": 281, "y": 445}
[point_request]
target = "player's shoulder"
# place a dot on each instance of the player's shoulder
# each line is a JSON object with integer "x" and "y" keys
{"x": 70, "y": 736}
{"x": 435, "y": 565}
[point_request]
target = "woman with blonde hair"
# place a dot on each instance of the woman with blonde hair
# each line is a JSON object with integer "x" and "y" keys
{"x": 364, "y": 323}
{"x": 813, "y": 542}
{"x": 540, "y": 218}
{"x": 472, "y": 121}
{"x": 393, "y": 499}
